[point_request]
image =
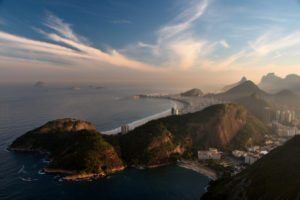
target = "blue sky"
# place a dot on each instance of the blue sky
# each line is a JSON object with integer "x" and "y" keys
{"x": 197, "y": 41}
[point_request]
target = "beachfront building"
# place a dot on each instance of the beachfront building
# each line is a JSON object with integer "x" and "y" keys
{"x": 251, "y": 158}
{"x": 211, "y": 154}
{"x": 238, "y": 153}
{"x": 125, "y": 129}
{"x": 175, "y": 111}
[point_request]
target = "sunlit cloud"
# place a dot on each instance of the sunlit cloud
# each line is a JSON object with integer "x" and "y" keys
{"x": 176, "y": 43}
{"x": 224, "y": 44}
{"x": 271, "y": 42}
{"x": 72, "y": 48}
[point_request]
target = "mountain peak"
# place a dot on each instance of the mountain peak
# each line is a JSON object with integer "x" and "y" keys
{"x": 270, "y": 77}
{"x": 244, "y": 79}
{"x": 246, "y": 86}
{"x": 273, "y": 83}
{"x": 228, "y": 87}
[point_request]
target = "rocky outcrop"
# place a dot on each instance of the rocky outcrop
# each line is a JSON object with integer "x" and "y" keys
{"x": 75, "y": 148}
{"x": 66, "y": 125}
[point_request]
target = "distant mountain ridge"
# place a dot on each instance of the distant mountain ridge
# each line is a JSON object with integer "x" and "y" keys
{"x": 273, "y": 83}
{"x": 243, "y": 94}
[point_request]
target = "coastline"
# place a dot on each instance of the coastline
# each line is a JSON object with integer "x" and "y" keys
{"x": 182, "y": 105}
{"x": 69, "y": 175}
{"x": 199, "y": 168}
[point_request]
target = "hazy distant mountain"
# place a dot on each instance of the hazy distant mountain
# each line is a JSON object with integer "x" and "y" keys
{"x": 40, "y": 84}
{"x": 255, "y": 104}
{"x": 275, "y": 176}
{"x": 287, "y": 98}
{"x": 192, "y": 93}
{"x": 228, "y": 87}
{"x": 273, "y": 83}
{"x": 244, "y": 89}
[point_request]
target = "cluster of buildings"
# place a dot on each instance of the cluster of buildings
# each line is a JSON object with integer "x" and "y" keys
{"x": 251, "y": 155}
{"x": 285, "y": 116}
{"x": 211, "y": 154}
{"x": 285, "y": 131}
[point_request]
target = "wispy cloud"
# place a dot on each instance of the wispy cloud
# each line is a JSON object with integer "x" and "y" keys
{"x": 176, "y": 44}
{"x": 224, "y": 44}
{"x": 69, "y": 47}
{"x": 271, "y": 42}
{"x": 62, "y": 28}
{"x": 184, "y": 20}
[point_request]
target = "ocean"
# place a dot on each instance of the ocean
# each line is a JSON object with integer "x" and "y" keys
{"x": 24, "y": 107}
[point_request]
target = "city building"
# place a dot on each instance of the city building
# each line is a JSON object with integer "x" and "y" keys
{"x": 268, "y": 113}
{"x": 125, "y": 129}
{"x": 238, "y": 153}
{"x": 285, "y": 116}
{"x": 285, "y": 131}
{"x": 251, "y": 158}
{"x": 175, "y": 111}
{"x": 211, "y": 154}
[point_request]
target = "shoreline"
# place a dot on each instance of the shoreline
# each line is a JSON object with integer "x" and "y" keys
{"x": 179, "y": 103}
{"x": 199, "y": 168}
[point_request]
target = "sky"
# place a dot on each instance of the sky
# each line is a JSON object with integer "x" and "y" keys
{"x": 184, "y": 43}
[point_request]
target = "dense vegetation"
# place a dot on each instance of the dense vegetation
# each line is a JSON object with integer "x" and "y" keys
{"x": 275, "y": 176}
{"x": 222, "y": 126}
{"x": 76, "y": 145}
{"x": 74, "y": 150}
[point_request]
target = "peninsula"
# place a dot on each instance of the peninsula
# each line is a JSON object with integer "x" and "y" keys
{"x": 77, "y": 150}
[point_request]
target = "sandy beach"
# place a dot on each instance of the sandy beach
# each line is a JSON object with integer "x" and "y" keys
{"x": 198, "y": 167}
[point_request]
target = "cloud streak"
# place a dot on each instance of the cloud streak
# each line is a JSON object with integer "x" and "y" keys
{"x": 69, "y": 47}
{"x": 176, "y": 44}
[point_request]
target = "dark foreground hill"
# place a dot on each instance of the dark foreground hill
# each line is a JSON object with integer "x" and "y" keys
{"x": 275, "y": 176}
{"x": 77, "y": 148}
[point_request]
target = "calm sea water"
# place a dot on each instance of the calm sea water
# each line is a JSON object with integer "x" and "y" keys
{"x": 23, "y": 108}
